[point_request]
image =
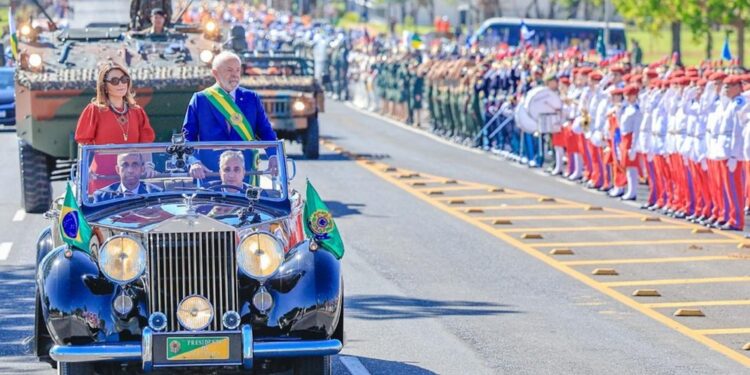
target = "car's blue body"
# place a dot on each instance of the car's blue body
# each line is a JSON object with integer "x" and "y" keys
{"x": 7, "y": 97}
{"x": 76, "y": 321}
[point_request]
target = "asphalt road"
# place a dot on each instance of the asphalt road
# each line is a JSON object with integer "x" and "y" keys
{"x": 433, "y": 285}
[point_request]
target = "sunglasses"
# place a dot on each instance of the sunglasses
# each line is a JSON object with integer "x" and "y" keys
{"x": 117, "y": 80}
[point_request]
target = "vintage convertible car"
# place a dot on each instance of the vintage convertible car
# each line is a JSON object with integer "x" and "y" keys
{"x": 211, "y": 274}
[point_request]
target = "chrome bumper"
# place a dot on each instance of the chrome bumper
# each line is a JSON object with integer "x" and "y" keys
{"x": 142, "y": 352}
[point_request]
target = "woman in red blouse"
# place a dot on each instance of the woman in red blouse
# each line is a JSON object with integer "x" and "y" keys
{"x": 113, "y": 117}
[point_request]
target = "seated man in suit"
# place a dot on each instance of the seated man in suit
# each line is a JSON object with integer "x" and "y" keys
{"x": 232, "y": 172}
{"x": 225, "y": 112}
{"x": 130, "y": 167}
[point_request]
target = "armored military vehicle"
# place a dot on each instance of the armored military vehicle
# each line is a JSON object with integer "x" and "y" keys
{"x": 56, "y": 78}
{"x": 291, "y": 96}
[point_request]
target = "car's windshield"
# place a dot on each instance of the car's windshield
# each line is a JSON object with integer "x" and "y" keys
{"x": 122, "y": 172}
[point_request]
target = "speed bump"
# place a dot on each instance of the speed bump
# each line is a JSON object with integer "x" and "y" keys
{"x": 594, "y": 208}
{"x": 546, "y": 200}
{"x": 531, "y": 236}
{"x": 646, "y": 293}
{"x": 418, "y": 183}
{"x": 435, "y": 192}
{"x": 744, "y": 245}
{"x": 450, "y": 182}
{"x": 369, "y": 162}
{"x": 496, "y": 190}
{"x": 405, "y": 175}
{"x": 561, "y": 252}
{"x": 474, "y": 211}
{"x": 389, "y": 169}
{"x": 604, "y": 272}
{"x": 688, "y": 312}
{"x": 456, "y": 201}
{"x": 702, "y": 230}
{"x": 650, "y": 219}
{"x": 502, "y": 222}
{"x": 746, "y": 346}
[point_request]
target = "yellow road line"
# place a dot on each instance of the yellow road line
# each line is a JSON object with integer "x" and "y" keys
{"x": 550, "y": 217}
{"x": 444, "y": 187}
{"x": 585, "y": 279}
{"x": 634, "y": 243}
{"x": 724, "y": 331}
{"x": 614, "y": 228}
{"x": 647, "y": 260}
{"x": 498, "y": 196}
{"x": 706, "y": 280}
{"x": 516, "y": 207}
{"x": 740, "y": 302}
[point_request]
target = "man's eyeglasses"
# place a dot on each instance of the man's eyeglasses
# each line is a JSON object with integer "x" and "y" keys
{"x": 117, "y": 80}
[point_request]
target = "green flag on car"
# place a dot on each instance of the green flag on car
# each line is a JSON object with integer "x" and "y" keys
{"x": 74, "y": 229}
{"x": 319, "y": 224}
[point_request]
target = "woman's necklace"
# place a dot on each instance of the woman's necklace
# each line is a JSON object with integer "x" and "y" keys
{"x": 122, "y": 119}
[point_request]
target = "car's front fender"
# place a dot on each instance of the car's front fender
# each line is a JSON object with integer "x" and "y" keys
{"x": 76, "y": 300}
{"x": 307, "y": 293}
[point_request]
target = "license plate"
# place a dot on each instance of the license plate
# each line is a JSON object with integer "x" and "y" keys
{"x": 3, "y": 114}
{"x": 197, "y": 348}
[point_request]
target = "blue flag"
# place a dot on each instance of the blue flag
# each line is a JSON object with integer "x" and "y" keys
{"x": 725, "y": 53}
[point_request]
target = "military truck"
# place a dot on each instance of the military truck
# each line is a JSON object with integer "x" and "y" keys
{"x": 56, "y": 78}
{"x": 291, "y": 96}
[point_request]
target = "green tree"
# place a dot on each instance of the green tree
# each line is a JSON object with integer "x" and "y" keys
{"x": 654, "y": 16}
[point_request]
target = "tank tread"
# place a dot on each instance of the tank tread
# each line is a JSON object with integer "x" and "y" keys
{"x": 36, "y": 188}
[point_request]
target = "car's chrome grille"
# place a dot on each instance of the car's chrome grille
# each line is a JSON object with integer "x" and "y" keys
{"x": 276, "y": 107}
{"x": 184, "y": 264}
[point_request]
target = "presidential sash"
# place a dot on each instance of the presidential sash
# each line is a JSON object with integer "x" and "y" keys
{"x": 223, "y": 102}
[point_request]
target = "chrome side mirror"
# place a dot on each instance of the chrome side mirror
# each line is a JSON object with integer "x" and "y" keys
{"x": 291, "y": 169}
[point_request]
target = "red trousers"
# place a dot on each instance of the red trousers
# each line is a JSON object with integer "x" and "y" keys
{"x": 701, "y": 190}
{"x": 718, "y": 194}
{"x": 663, "y": 179}
{"x": 735, "y": 189}
{"x": 678, "y": 189}
{"x": 597, "y": 175}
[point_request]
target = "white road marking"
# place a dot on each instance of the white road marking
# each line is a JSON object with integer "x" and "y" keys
{"x": 354, "y": 366}
{"x": 5, "y": 250}
{"x": 20, "y": 215}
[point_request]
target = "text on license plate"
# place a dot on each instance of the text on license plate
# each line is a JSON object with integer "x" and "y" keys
{"x": 197, "y": 348}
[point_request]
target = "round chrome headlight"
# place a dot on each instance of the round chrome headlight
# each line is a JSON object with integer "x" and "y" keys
{"x": 299, "y": 106}
{"x": 260, "y": 255}
{"x": 195, "y": 313}
{"x": 122, "y": 259}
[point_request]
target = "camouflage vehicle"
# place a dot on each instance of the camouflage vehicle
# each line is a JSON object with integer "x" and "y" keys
{"x": 56, "y": 78}
{"x": 291, "y": 96}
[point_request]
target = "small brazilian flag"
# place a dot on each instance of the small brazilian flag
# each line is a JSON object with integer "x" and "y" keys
{"x": 13, "y": 35}
{"x": 319, "y": 224}
{"x": 416, "y": 41}
{"x": 74, "y": 229}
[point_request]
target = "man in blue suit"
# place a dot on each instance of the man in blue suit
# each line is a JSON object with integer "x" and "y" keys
{"x": 130, "y": 167}
{"x": 205, "y": 122}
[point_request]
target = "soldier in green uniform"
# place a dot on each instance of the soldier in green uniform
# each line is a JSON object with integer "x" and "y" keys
{"x": 140, "y": 12}
{"x": 416, "y": 90}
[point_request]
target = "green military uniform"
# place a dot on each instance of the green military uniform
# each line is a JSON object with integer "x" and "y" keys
{"x": 140, "y": 12}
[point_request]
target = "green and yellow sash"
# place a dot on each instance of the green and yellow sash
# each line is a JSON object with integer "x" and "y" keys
{"x": 231, "y": 112}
